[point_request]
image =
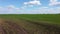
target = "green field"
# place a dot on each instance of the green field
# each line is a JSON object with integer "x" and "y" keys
{"x": 32, "y": 22}
{"x": 52, "y": 18}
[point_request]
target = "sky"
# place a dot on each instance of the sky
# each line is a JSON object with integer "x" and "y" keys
{"x": 29, "y": 6}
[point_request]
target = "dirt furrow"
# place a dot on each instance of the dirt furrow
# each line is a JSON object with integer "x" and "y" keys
{"x": 17, "y": 28}
{"x": 8, "y": 27}
{"x": 1, "y": 30}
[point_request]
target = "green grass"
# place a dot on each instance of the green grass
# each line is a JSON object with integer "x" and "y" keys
{"x": 53, "y": 18}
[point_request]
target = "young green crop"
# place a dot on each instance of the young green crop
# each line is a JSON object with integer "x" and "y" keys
{"x": 53, "y": 18}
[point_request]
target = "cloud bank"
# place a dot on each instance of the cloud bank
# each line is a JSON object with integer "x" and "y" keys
{"x": 42, "y": 10}
{"x": 9, "y": 9}
{"x": 54, "y": 2}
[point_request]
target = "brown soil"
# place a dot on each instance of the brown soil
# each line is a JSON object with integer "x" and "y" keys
{"x": 9, "y": 27}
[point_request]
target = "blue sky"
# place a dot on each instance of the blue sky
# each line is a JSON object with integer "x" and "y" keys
{"x": 29, "y": 6}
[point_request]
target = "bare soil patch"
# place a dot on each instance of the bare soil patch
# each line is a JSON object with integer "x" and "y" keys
{"x": 9, "y": 27}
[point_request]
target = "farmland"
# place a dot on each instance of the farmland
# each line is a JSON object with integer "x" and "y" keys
{"x": 34, "y": 23}
{"x": 53, "y": 18}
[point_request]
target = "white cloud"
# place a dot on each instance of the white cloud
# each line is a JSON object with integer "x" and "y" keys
{"x": 23, "y": 7}
{"x": 34, "y": 2}
{"x": 41, "y": 10}
{"x": 54, "y": 2}
{"x": 17, "y": 9}
{"x": 12, "y": 8}
{"x": 9, "y": 9}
